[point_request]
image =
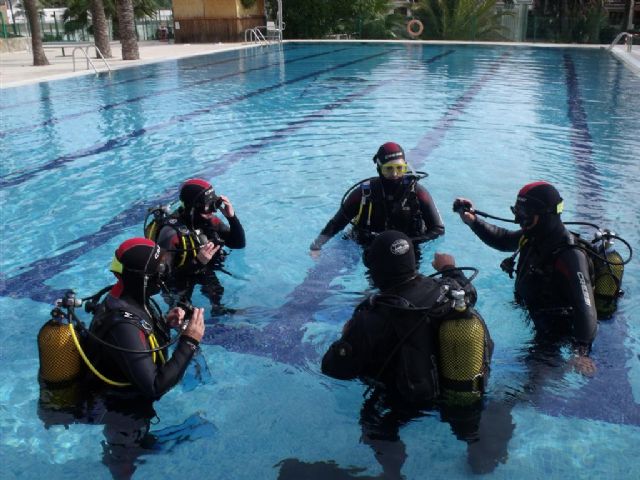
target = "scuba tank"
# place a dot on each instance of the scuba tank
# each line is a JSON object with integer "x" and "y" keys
{"x": 59, "y": 358}
{"x": 608, "y": 275}
{"x": 159, "y": 215}
{"x": 462, "y": 358}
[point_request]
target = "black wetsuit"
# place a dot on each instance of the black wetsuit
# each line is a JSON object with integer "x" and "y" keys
{"x": 371, "y": 338}
{"x": 188, "y": 271}
{"x": 369, "y": 345}
{"x": 404, "y": 205}
{"x": 126, "y": 324}
{"x": 553, "y": 278}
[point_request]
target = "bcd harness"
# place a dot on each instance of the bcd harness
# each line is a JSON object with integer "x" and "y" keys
{"x": 102, "y": 328}
{"x": 362, "y": 220}
{"x": 188, "y": 243}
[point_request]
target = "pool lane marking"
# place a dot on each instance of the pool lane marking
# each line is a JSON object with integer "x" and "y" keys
{"x": 123, "y": 140}
{"x": 282, "y": 337}
{"x": 31, "y": 283}
{"x": 594, "y": 399}
{"x": 582, "y": 147}
{"x": 181, "y": 88}
{"x": 107, "y": 77}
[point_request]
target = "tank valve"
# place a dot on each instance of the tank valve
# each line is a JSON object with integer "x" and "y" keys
{"x": 459, "y": 303}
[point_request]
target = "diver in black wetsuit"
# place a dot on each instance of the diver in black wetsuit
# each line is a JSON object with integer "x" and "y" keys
{"x": 130, "y": 320}
{"x": 553, "y": 277}
{"x": 392, "y": 201}
{"x": 120, "y": 394}
{"x": 194, "y": 236}
{"x": 392, "y": 342}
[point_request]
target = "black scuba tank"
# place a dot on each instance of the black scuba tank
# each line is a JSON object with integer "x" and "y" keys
{"x": 608, "y": 279}
{"x": 462, "y": 344}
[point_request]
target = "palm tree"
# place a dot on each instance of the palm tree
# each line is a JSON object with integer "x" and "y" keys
{"x": 31, "y": 10}
{"x": 461, "y": 19}
{"x": 127, "y": 30}
{"x": 100, "y": 28}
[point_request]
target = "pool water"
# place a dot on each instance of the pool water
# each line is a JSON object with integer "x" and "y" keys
{"x": 284, "y": 132}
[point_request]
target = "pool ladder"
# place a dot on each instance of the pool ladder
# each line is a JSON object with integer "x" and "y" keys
{"x": 628, "y": 38}
{"x": 255, "y": 35}
{"x": 85, "y": 52}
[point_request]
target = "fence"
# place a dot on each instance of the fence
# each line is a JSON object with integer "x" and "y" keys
{"x": 146, "y": 29}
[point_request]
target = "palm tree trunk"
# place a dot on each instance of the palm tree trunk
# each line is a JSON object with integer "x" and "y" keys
{"x": 126, "y": 22}
{"x": 31, "y": 10}
{"x": 100, "y": 28}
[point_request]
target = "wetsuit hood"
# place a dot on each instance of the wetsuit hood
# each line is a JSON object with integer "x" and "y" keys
{"x": 391, "y": 259}
{"x": 137, "y": 266}
{"x": 197, "y": 196}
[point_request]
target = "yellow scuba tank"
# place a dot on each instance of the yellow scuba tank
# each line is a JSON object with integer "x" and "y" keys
{"x": 608, "y": 279}
{"x": 462, "y": 346}
{"x": 59, "y": 357}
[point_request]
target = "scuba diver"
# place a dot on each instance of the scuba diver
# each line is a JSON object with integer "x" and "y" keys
{"x": 406, "y": 342}
{"x": 126, "y": 351}
{"x": 553, "y": 273}
{"x": 193, "y": 235}
{"x": 130, "y": 320}
{"x": 392, "y": 201}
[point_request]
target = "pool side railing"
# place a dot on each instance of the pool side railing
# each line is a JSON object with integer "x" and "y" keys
{"x": 628, "y": 38}
{"x": 85, "y": 51}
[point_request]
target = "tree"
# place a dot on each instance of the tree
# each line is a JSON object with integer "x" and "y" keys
{"x": 461, "y": 19}
{"x": 100, "y": 28}
{"x": 127, "y": 30}
{"x": 31, "y": 10}
{"x": 318, "y": 18}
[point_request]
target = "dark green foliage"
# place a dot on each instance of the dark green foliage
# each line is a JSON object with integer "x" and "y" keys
{"x": 357, "y": 18}
{"x": 569, "y": 21}
{"x": 461, "y": 20}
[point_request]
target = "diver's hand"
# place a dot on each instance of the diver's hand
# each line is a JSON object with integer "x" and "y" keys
{"x": 226, "y": 208}
{"x": 583, "y": 365}
{"x": 206, "y": 252}
{"x": 195, "y": 327}
{"x": 175, "y": 317}
{"x": 315, "y": 253}
{"x": 443, "y": 261}
{"x": 464, "y": 208}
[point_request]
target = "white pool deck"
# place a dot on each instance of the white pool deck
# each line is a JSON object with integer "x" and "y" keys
{"x": 16, "y": 68}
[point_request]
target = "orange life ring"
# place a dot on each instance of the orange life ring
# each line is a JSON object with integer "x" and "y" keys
{"x": 410, "y": 25}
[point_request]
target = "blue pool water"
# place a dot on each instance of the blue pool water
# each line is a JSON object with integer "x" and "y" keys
{"x": 283, "y": 132}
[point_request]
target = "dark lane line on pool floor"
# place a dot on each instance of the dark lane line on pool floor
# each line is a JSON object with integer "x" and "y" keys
{"x": 282, "y": 338}
{"x": 124, "y": 139}
{"x": 590, "y": 190}
{"x": 109, "y": 84}
{"x": 154, "y": 94}
{"x": 31, "y": 283}
{"x": 594, "y": 399}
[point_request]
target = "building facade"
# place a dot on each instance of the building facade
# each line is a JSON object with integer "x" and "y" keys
{"x": 203, "y": 21}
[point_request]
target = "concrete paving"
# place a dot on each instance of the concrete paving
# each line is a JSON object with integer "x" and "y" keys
{"x": 16, "y": 68}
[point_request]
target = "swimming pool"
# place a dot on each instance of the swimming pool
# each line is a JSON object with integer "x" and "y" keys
{"x": 284, "y": 132}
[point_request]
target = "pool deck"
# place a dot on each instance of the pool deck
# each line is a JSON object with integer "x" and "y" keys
{"x": 16, "y": 68}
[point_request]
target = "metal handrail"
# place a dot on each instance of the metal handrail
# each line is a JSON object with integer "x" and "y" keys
{"x": 254, "y": 35}
{"x": 85, "y": 52}
{"x": 628, "y": 39}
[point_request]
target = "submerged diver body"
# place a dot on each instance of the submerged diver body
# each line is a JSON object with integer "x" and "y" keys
{"x": 394, "y": 200}
{"x": 394, "y": 343}
{"x": 552, "y": 274}
{"x": 129, "y": 360}
{"x": 194, "y": 237}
